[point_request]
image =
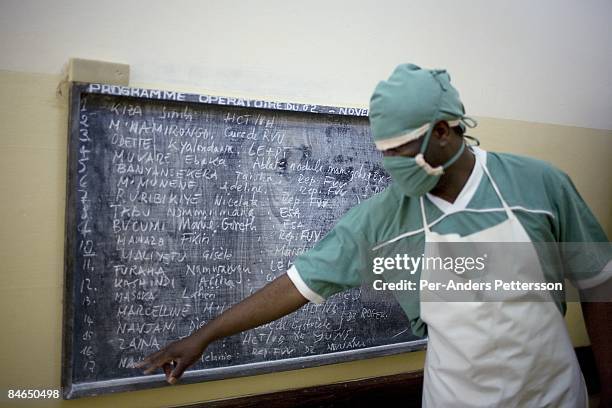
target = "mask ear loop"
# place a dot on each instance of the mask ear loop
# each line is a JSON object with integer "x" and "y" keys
{"x": 420, "y": 158}
{"x": 434, "y": 73}
{"x": 437, "y": 171}
{"x": 466, "y": 120}
{"x": 455, "y": 157}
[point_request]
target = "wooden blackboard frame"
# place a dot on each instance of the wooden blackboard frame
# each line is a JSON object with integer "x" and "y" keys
{"x": 72, "y": 390}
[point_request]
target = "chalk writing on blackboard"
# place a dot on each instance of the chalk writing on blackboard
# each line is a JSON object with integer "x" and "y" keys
{"x": 181, "y": 205}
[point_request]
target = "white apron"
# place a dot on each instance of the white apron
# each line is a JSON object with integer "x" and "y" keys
{"x": 497, "y": 353}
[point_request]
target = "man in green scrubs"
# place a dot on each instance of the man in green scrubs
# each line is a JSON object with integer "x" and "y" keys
{"x": 443, "y": 192}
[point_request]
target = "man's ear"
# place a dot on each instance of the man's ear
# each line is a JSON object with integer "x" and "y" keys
{"x": 442, "y": 133}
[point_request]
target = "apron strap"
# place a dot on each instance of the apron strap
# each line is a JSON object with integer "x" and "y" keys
{"x": 507, "y": 209}
{"x": 425, "y": 226}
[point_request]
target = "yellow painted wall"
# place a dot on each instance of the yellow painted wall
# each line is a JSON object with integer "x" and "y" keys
{"x": 33, "y": 134}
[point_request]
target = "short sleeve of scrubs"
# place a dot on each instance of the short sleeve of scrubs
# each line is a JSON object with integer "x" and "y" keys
{"x": 336, "y": 262}
{"x": 586, "y": 251}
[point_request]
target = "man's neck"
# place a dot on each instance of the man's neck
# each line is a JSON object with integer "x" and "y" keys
{"x": 454, "y": 178}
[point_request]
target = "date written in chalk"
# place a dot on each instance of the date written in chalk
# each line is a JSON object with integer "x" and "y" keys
{"x": 33, "y": 394}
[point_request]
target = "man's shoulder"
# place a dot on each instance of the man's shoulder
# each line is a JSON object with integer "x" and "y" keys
{"x": 535, "y": 169}
{"x": 528, "y": 181}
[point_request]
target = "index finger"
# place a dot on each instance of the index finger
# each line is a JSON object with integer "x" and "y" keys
{"x": 153, "y": 362}
{"x": 146, "y": 359}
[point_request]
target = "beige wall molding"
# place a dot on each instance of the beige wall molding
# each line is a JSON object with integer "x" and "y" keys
{"x": 101, "y": 72}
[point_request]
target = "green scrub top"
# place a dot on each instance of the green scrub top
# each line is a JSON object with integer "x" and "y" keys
{"x": 542, "y": 197}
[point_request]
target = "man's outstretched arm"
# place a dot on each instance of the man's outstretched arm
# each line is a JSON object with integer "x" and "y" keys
{"x": 275, "y": 300}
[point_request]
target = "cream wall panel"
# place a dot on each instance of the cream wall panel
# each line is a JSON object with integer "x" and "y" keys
{"x": 32, "y": 185}
{"x": 546, "y": 61}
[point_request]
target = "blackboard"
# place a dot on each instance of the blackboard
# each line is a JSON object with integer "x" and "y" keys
{"x": 180, "y": 205}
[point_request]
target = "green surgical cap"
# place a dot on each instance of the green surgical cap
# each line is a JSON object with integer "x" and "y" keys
{"x": 410, "y": 102}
